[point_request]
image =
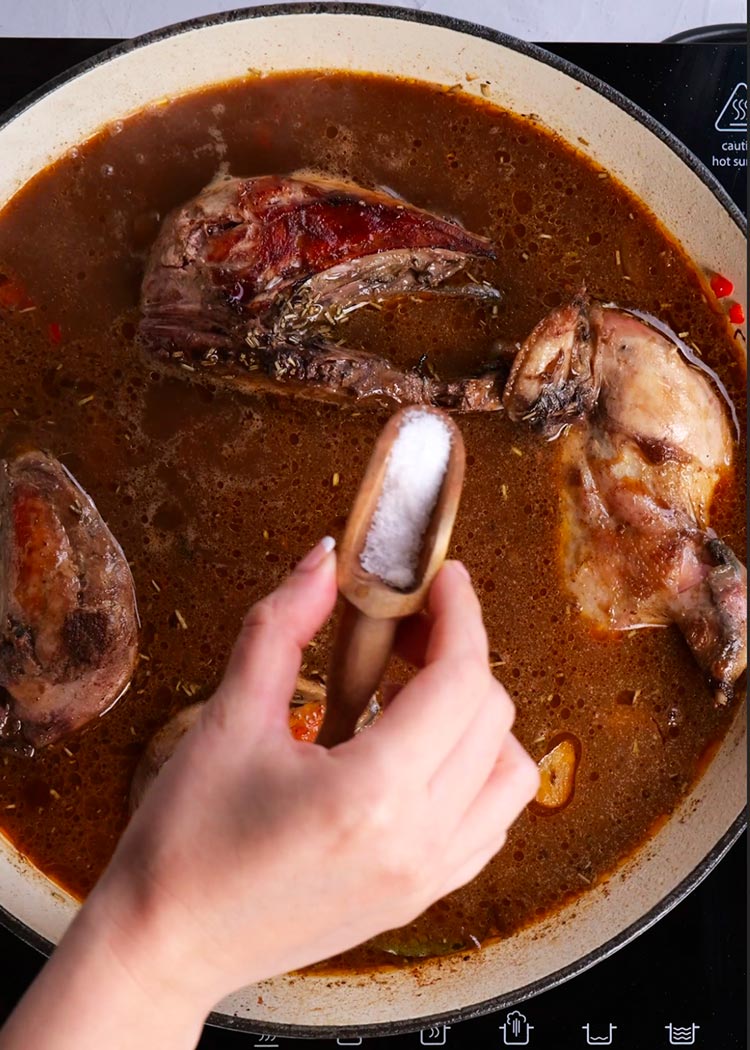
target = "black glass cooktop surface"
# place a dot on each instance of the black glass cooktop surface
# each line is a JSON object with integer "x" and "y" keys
{"x": 682, "y": 983}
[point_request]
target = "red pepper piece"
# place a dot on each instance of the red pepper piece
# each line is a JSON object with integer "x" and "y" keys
{"x": 736, "y": 313}
{"x": 55, "y": 332}
{"x": 721, "y": 286}
{"x": 13, "y": 295}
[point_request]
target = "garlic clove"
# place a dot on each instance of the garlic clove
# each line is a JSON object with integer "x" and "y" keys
{"x": 557, "y": 771}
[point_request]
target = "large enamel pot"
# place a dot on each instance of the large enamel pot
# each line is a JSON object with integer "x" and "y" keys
{"x": 689, "y": 202}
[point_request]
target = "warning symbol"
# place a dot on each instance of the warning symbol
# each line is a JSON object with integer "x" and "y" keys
{"x": 733, "y": 116}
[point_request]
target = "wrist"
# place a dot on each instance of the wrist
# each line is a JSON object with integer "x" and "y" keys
{"x": 148, "y": 945}
{"x": 105, "y": 986}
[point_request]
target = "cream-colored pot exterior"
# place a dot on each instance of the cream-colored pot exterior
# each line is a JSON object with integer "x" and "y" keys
{"x": 519, "y": 79}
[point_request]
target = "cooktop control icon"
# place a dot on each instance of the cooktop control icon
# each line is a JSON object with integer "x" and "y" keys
{"x": 598, "y": 1037}
{"x": 349, "y": 1040}
{"x": 682, "y": 1036}
{"x": 516, "y": 1030}
{"x": 436, "y": 1035}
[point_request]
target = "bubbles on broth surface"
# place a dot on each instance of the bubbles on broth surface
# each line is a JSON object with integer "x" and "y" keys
{"x": 214, "y": 494}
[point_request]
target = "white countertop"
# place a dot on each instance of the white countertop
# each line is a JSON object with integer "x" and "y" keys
{"x": 579, "y": 20}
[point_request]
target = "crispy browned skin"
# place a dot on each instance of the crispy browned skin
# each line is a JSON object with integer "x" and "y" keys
{"x": 645, "y": 439}
{"x": 248, "y": 281}
{"x": 68, "y": 622}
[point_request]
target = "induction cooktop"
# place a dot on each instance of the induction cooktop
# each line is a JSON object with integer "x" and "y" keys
{"x": 682, "y": 982}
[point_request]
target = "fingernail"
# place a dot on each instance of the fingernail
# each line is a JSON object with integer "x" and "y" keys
{"x": 314, "y": 557}
{"x": 460, "y": 568}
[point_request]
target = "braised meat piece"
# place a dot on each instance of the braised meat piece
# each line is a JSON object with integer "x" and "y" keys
{"x": 68, "y": 620}
{"x": 645, "y": 439}
{"x": 249, "y": 280}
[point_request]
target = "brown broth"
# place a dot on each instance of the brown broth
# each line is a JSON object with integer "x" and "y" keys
{"x": 214, "y": 494}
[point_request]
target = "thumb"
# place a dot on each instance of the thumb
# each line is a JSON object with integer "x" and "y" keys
{"x": 262, "y": 670}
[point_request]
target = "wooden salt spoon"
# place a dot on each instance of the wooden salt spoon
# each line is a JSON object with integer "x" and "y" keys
{"x": 370, "y": 608}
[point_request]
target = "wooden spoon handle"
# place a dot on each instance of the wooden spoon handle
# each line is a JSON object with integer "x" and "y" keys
{"x": 361, "y": 650}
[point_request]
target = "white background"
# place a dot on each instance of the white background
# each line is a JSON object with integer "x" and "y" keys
{"x": 530, "y": 19}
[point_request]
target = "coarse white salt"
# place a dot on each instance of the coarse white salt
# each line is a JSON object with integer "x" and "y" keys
{"x": 413, "y": 479}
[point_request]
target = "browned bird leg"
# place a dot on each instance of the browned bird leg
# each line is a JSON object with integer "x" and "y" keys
{"x": 68, "y": 621}
{"x": 249, "y": 280}
{"x": 645, "y": 437}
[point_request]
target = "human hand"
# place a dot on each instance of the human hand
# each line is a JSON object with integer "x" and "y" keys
{"x": 254, "y": 854}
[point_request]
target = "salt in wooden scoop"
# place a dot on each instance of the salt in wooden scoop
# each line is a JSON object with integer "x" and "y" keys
{"x": 395, "y": 541}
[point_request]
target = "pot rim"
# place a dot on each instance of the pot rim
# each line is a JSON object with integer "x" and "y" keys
{"x": 718, "y": 851}
{"x": 220, "y": 1020}
{"x": 402, "y": 14}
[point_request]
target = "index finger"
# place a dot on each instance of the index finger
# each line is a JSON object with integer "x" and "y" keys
{"x": 426, "y": 719}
